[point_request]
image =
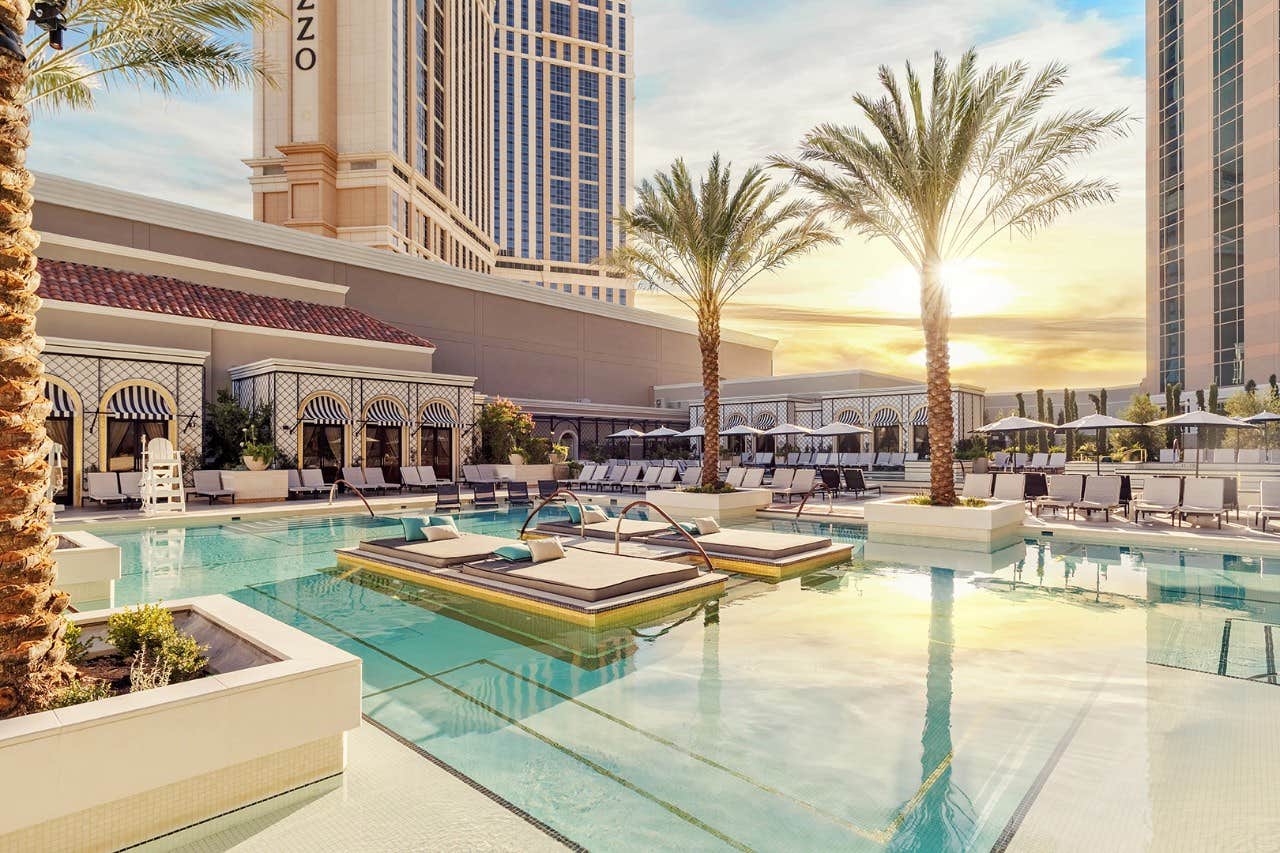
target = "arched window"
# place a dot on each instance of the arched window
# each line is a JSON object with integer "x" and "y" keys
{"x": 886, "y": 426}
{"x": 920, "y": 431}
{"x": 132, "y": 414}
{"x": 436, "y": 438}
{"x": 63, "y": 427}
{"x": 850, "y": 443}
{"x": 735, "y": 419}
{"x": 325, "y": 421}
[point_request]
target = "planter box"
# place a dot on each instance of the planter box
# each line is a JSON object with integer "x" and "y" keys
{"x": 255, "y": 486}
{"x": 88, "y": 568}
{"x": 105, "y": 775}
{"x": 683, "y": 505}
{"x": 987, "y": 529}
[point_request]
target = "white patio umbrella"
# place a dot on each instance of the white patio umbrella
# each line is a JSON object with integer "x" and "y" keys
{"x": 788, "y": 429}
{"x": 1014, "y": 424}
{"x": 1098, "y": 424}
{"x": 1200, "y": 420}
{"x": 628, "y": 433}
{"x": 741, "y": 430}
{"x": 693, "y": 432}
{"x": 1264, "y": 420}
{"x": 662, "y": 432}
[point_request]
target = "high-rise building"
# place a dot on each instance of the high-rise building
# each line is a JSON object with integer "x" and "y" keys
{"x": 563, "y": 85}
{"x": 376, "y": 129}
{"x": 1213, "y": 198}
{"x": 428, "y": 127}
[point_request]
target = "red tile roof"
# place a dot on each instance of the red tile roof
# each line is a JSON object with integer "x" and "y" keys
{"x": 90, "y": 285}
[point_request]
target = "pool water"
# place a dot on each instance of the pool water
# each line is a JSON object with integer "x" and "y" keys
{"x": 910, "y": 699}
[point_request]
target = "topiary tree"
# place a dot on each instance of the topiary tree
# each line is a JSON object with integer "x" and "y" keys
{"x": 1042, "y": 436}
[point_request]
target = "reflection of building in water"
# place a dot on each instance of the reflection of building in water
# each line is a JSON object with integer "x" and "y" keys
{"x": 162, "y": 553}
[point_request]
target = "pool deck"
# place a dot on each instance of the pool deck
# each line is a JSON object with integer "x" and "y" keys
{"x": 390, "y": 798}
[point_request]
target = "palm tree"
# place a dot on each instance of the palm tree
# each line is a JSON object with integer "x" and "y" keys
{"x": 161, "y": 44}
{"x": 701, "y": 244}
{"x": 939, "y": 179}
{"x": 157, "y": 42}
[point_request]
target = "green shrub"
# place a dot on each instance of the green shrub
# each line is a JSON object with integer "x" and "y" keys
{"x": 973, "y": 503}
{"x": 150, "y": 627}
{"x": 717, "y": 489}
{"x": 78, "y": 692}
{"x": 76, "y": 647}
{"x": 920, "y": 500}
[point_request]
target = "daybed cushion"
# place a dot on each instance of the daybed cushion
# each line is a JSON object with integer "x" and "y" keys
{"x": 514, "y": 553}
{"x": 754, "y": 543}
{"x": 594, "y": 516}
{"x": 631, "y": 527}
{"x": 413, "y": 528}
{"x": 707, "y": 525}
{"x": 542, "y": 550}
{"x": 441, "y": 521}
{"x": 585, "y": 575}
{"x": 448, "y": 552}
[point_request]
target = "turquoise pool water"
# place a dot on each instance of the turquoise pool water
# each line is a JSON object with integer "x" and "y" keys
{"x": 910, "y": 700}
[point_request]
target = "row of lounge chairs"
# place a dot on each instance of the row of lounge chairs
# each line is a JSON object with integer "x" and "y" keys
{"x": 1244, "y": 456}
{"x": 1068, "y": 493}
{"x": 1046, "y": 462}
{"x": 866, "y": 461}
{"x": 636, "y": 477}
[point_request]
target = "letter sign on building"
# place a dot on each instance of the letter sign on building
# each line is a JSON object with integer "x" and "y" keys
{"x": 304, "y": 36}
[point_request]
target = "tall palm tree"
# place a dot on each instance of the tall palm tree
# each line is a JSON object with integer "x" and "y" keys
{"x": 940, "y": 178}
{"x": 701, "y": 244}
{"x": 144, "y": 42}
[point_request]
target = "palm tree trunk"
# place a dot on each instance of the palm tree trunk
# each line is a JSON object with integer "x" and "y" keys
{"x": 32, "y": 653}
{"x": 935, "y": 315}
{"x": 709, "y": 344}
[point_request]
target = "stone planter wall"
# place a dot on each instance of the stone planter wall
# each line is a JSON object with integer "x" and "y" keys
{"x": 988, "y": 528}
{"x": 682, "y": 505}
{"x": 88, "y": 568}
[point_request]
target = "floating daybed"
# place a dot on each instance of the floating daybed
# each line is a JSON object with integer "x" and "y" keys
{"x": 763, "y": 553}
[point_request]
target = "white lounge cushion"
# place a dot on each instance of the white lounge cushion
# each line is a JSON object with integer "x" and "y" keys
{"x": 440, "y": 532}
{"x": 707, "y": 525}
{"x": 594, "y": 516}
{"x": 543, "y": 550}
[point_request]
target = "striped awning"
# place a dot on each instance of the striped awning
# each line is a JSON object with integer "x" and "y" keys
{"x": 920, "y": 418}
{"x": 386, "y": 413}
{"x": 736, "y": 419}
{"x": 138, "y": 403}
{"x": 62, "y": 405}
{"x": 849, "y": 416}
{"x": 438, "y": 415}
{"x": 884, "y": 418}
{"x": 766, "y": 420}
{"x": 326, "y": 411}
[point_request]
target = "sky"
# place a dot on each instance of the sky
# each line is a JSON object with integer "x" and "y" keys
{"x": 747, "y": 78}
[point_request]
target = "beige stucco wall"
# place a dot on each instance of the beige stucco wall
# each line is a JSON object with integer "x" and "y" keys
{"x": 514, "y": 346}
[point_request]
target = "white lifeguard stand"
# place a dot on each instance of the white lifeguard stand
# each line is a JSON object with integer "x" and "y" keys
{"x": 161, "y": 486}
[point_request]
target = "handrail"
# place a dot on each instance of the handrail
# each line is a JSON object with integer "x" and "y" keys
{"x": 582, "y": 522}
{"x": 617, "y": 535}
{"x": 819, "y": 488}
{"x": 334, "y": 491}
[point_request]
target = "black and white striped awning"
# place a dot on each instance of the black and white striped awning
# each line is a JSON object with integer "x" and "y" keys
{"x": 884, "y": 418}
{"x": 386, "y": 413}
{"x": 849, "y": 416}
{"x": 138, "y": 403}
{"x": 920, "y": 418}
{"x": 62, "y": 405}
{"x": 326, "y": 411}
{"x": 438, "y": 415}
{"x": 766, "y": 420}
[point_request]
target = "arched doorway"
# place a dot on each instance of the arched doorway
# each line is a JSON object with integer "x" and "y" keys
{"x": 325, "y": 420}
{"x": 765, "y": 421}
{"x": 886, "y": 427}
{"x": 131, "y": 415}
{"x": 920, "y": 431}
{"x": 735, "y": 445}
{"x": 436, "y": 438}
{"x": 569, "y": 439}
{"x": 385, "y": 420}
{"x": 63, "y": 428}
{"x": 849, "y": 443}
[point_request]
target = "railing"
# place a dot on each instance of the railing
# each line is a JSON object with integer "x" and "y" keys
{"x": 816, "y": 490}
{"x": 617, "y": 535}
{"x": 582, "y": 524}
{"x": 333, "y": 490}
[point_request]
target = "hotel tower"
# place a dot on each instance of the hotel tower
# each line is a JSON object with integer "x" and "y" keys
{"x": 492, "y": 135}
{"x": 1213, "y": 199}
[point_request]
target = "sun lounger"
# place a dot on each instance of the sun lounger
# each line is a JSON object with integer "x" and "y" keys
{"x": 753, "y": 479}
{"x": 1268, "y": 502}
{"x": 735, "y": 477}
{"x": 448, "y": 497}
{"x": 801, "y": 484}
{"x": 1222, "y": 456}
{"x": 427, "y": 475}
{"x": 912, "y": 457}
{"x": 629, "y": 477}
{"x": 547, "y": 488}
{"x": 584, "y": 575}
{"x": 1064, "y": 491}
{"x": 977, "y": 486}
{"x": 299, "y": 489}
{"x": 759, "y": 544}
{"x": 469, "y": 547}
{"x": 855, "y": 482}
{"x": 485, "y": 496}
{"x": 518, "y": 493}
{"x": 1039, "y": 461}
{"x": 410, "y": 478}
{"x": 1160, "y": 496}
{"x": 1249, "y": 456}
{"x": 208, "y": 484}
{"x": 584, "y": 476}
{"x": 1057, "y": 462}
{"x": 1168, "y": 456}
{"x": 313, "y": 478}
{"x": 667, "y": 478}
{"x": 782, "y": 479}
{"x": 691, "y": 476}
{"x": 354, "y": 477}
{"x": 1010, "y": 487}
{"x": 1101, "y": 494}
{"x": 1202, "y": 497}
{"x": 131, "y": 485}
{"x": 374, "y": 479}
{"x": 830, "y": 480}
{"x": 793, "y": 459}
{"x": 104, "y": 488}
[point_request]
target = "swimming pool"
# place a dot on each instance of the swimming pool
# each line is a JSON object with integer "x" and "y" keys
{"x": 911, "y": 699}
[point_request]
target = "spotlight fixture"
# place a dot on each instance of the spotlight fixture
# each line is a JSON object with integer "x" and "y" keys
{"x": 49, "y": 16}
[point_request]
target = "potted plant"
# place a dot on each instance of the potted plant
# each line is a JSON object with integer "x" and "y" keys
{"x": 559, "y": 454}
{"x": 257, "y": 455}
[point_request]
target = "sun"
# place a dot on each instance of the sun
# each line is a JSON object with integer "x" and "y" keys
{"x": 976, "y": 287}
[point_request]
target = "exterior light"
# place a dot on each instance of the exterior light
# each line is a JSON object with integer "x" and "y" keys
{"x": 48, "y": 16}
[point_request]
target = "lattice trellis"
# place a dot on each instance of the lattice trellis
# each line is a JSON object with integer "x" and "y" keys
{"x": 93, "y": 376}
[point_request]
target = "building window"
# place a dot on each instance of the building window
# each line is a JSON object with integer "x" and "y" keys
{"x": 1228, "y": 194}
{"x": 560, "y": 19}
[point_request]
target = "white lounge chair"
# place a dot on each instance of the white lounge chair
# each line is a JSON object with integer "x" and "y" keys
{"x": 801, "y": 484}
{"x": 977, "y": 486}
{"x": 209, "y": 485}
{"x": 131, "y": 485}
{"x": 1064, "y": 490}
{"x": 782, "y": 479}
{"x": 1160, "y": 496}
{"x": 410, "y": 478}
{"x": 1268, "y": 502}
{"x": 1101, "y": 494}
{"x": 1010, "y": 487}
{"x": 1039, "y": 461}
{"x": 735, "y": 476}
{"x": 354, "y": 477}
{"x": 753, "y": 479}
{"x": 427, "y": 476}
{"x": 297, "y": 488}
{"x": 1057, "y": 462}
{"x": 375, "y": 479}
{"x": 1202, "y": 496}
{"x": 104, "y": 488}
{"x": 313, "y": 478}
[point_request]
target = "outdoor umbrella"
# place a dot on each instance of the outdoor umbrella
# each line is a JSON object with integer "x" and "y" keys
{"x": 695, "y": 432}
{"x": 628, "y": 434}
{"x": 1264, "y": 420}
{"x": 788, "y": 429}
{"x": 662, "y": 432}
{"x": 1098, "y": 424}
{"x": 741, "y": 430}
{"x": 1014, "y": 424}
{"x": 1201, "y": 420}
{"x": 839, "y": 428}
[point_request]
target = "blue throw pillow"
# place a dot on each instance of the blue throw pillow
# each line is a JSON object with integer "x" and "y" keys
{"x": 413, "y": 528}
{"x": 441, "y": 521}
{"x": 514, "y": 553}
{"x": 575, "y": 514}
{"x": 689, "y": 527}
